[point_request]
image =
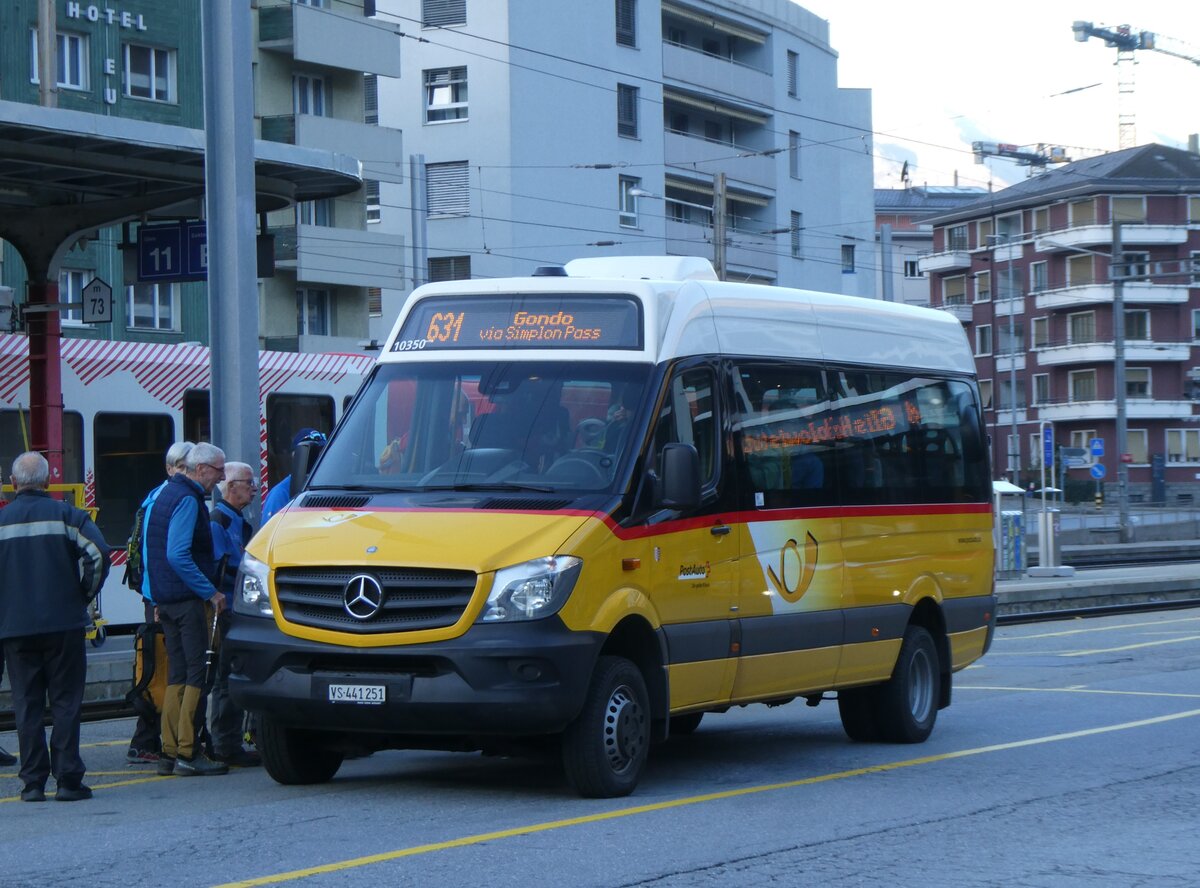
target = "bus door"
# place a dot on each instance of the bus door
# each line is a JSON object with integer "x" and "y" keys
{"x": 695, "y": 554}
{"x": 790, "y": 576}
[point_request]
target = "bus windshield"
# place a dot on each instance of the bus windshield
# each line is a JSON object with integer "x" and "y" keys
{"x": 510, "y": 425}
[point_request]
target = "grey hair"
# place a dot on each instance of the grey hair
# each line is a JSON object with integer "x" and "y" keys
{"x": 201, "y": 454}
{"x": 30, "y": 469}
{"x": 235, "y": 468}
{"x": 177, "y": 453}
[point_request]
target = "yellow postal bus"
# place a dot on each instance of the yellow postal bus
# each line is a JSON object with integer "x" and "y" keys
{"x": 593, "y": 505}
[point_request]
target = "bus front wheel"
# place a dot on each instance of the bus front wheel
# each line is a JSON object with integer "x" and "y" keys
{"x": 605, "y": 748}
{"x": 294, "y": 757}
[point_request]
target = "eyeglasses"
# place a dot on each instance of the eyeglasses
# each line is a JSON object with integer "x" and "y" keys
{"x": 253, "y": 487}
{"x": 220, "y": 470}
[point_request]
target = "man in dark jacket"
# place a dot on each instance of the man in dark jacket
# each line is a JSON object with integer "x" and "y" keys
{"x": 180, "y": 562}
{"x": 53, "y": 561}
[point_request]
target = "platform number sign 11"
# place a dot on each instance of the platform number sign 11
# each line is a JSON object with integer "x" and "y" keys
{"x": 97, "y": 302}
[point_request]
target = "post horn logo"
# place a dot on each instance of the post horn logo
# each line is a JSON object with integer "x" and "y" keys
{"x": 806, "y": 564}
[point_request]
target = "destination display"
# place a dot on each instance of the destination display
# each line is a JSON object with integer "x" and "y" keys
{"x": 556, "y": 321}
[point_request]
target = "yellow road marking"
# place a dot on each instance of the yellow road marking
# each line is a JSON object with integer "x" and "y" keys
{"x": 112, "y": 785}
{"x": 1130, "y": 647}
{"x": 1078, "y": 690}
{"x": 534, "y": 828}
{"x": 1148, "y": 623}
{"x": 103, "y": 743}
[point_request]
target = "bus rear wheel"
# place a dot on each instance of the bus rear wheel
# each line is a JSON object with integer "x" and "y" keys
{"x": 294, "y": 757}
{"x": 605, "y": 748}
{"x": 908, "y": 701}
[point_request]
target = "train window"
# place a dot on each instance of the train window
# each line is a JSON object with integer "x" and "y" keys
{"x": 129, "y": 449}
{"x": 14, "y": 430}
{"x": 197, "y": 420}
{"x": 286, "y": 415}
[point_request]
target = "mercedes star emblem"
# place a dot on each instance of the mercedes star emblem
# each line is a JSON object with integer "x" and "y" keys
{"x": 363, "y": 597}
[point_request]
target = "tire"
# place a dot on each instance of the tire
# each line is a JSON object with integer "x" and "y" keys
{"x": 293, "y": 757}
{"x": 858, "y": 709}
{"x": 908, "y": 701}
{"x": 686, "y": 724}
{"x": 605, "y": 748}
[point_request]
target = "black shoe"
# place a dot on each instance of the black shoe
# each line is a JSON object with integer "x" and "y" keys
{"x": 137, "y": 756}
{"x": 76, "y": 793}
{"x": 166, "y": 766}
{"x": 241, "y": 758}
{"x": 6, "y": 758}
{"x": 199, "y": 766}
{"x": 33, "y": 793}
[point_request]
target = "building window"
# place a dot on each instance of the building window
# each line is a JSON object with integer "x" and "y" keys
{"x": 793, "y": 74}
{"x": 1006, "y": 398}
{"x": 985, "y": 393}
{"x": 311, "y": 95}
{"x": 1183, "y": 445}
{"x": 848, "y": 259}
{"x": 1128, "y": 209}
{"x": 72, "y": 60}
{"x": 1038, "y": 277}
{"x": 70, "y": 289}
{"x": 447, "y": 188}
{"x": 1041, "y": 388}
{"x": 318, "y": 4}
{"x": 794, "y": 154}
{"x": 627, "y": 201}
{"x": 315, "y": 212}
{"x": 1193, "y": 210}
{"x": 1035, "y": 450}
{"x": 1137, "y": 382}
{"x": 797, "y": 232}
{"x": 626, "y": 22}
{"x": 1196, "y": 324}
{"x": 983, "y": 339}
{"x": 1008, "y": 228}
{"x": 984, "y": 233}
{"x": 371, "y": 99}
{"x": 627, "y": 110}
{"x": 1137, "y": 445}
{"x": 312, "y": 312}
{"x": 954, "y": 290}
{"x": 1041, "y": 332}
{"x": 374, "y": 302}
{"x": 1008, "y": 281}
{"x": 1082, "y": 384}
{"x": 912, "y": 269}
{"x": 149, "y": 73}
{"x": 957, "y": 238}
{"x": 445, "y": 94}
{"x": 449, "y": 268}
{"x": 1082, "y": 212}
{"x": 1137, "y": 325}
{"x": 1081, "y": 328}
{"x": 1082, "y": 439}
{"x": 1080, "y": 271}
{"x": 441, "y": 13}
{"x": 1012, "y": 338}
{"x": 983, "y": 286}
{"x": 371, "y": 197}
{"x": 1132, "y": 265}
{"x": 1195, "y": 267}
{"x": 151, "y": 306}
{"x": 1041, "y": 220}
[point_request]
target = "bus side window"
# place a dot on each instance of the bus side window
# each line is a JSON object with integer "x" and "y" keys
{"x": 689, "y": 417}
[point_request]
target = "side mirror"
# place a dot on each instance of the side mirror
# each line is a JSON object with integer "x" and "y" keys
{"x": 304, "y": 457}
{"x": 679, "y": 484}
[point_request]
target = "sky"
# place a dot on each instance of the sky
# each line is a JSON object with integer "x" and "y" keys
{"x": 944, "y": 74}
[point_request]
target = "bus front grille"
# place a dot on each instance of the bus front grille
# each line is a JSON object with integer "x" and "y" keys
{"x": 373, "y": 600}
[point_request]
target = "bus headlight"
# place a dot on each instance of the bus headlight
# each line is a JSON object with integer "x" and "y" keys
{"x": 531, "y": 590}
{"x": 251, "y": 589}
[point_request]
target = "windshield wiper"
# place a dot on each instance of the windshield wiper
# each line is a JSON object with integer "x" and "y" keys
{"x": 362, "y": 488}
{"x": 497, "y": 485}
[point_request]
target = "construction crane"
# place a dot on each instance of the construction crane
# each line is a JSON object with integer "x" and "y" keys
{"x": 1035, "y": 156}
{"x": 1126, "y": 40}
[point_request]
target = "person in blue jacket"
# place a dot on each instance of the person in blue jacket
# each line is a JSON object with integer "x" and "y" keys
{"x": 281, "y": 494}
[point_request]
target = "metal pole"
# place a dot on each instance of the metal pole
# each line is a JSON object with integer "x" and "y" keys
{"x": 420, "y": 215}
{"x": 1045, "y": 534}
{"x": 230, "y": 212}
{"x": 1118, "y": 285}
{"x": 719, "y": 225}
{"x": 47, "y": 44}
{"x": 885, "y": 262}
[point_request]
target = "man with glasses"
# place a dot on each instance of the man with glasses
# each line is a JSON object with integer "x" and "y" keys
{"x": 181, "y": 565}
{"x": 231, "y": 532}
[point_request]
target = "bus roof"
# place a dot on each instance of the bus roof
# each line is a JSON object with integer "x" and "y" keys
{"x": 687, "y": 311}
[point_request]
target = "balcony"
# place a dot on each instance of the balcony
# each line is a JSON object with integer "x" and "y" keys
{"x": 1132, "y": 234}
{"x": 715, "y": 74}
{"x": 328, "y": 38}
{"x": 1004, "y": 362}
{"x": 341, "y": 256}
{"x": 1135, "y": 408}
{"x": 695, "y": 152}
{"x": 1096, "y": 352}
{"x": 1136, "y": 293}
{"x": 381, "y": 148}
{"x": 964, "y": 313}
{"x": 951, "y": 260}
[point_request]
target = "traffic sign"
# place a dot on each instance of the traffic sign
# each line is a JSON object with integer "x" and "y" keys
{"x": 1073, "y": 457}
{"x": 176, "y": 251}
{"x": 1098, "y": 471}
{"x": 1048, "y": 445}
{"x": 97, "y": 302}
{"x": 1097, "y": 446}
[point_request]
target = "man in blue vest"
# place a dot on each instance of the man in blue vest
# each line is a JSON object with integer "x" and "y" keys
{"x": 53, "y": 561}
{"x": 182, "y": 567}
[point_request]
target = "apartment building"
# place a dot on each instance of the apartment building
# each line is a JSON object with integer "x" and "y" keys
{"x": 545, "y": 130}
{"x": 1034, "y": 271}
{"x": 141, "y": 59}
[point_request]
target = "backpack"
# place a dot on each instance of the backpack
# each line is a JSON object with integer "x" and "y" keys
{"x": 135, "y": 570}
{"x": 149, "y": 671}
